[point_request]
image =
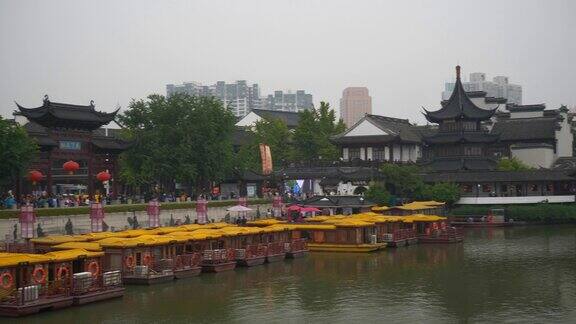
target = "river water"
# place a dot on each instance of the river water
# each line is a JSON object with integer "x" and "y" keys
{"x": 522, "y": 274}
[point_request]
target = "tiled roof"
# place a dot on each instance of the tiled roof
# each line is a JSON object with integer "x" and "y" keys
{"x": 290, "y": 118}
{"x": 458, "y": 105}
{"x": 519, "y": 129}
{"x": 54, "y": 114}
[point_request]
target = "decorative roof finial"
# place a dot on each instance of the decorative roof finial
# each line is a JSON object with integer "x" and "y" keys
{"x": 458, "y": 72}
{"x": 92, "y": 103}
{"x": 46, "y": 99}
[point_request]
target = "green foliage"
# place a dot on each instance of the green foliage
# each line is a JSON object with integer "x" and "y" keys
{"x": 512, "y": 164}
{"x": 446, "y": 192}
{"x": 181, "y": 138}
{"x": 312, "y": 136}
{"x": 275, "y": 134}
{"x": 17, "y": 150}
{"x": 539, "y": 213}
{"x": 403, "y": 180}
{"x": 378, "y": 194}
{"x": 67, "y": 211}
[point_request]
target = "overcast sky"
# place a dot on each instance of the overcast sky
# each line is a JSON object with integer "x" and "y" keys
{"x": 403, "y": 51}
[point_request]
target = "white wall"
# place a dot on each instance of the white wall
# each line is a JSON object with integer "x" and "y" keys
{"x": 345, "y": 153}
{"x": 526, "y": 114}
{"x": 564, "y": 138}
{"x": 396, "y": 153}
{"x": 536, "y": 157}
{"x": 369, "y": 153}
{"x": 117, "y": 221}
{"x": 365, "y": 128}
{"x": 513, "y": 200}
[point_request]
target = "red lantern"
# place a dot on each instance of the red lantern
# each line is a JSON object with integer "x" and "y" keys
{"x": 35, "y": 176}
{"x": 103, "y": 176}
{"x": 71, "y": 166}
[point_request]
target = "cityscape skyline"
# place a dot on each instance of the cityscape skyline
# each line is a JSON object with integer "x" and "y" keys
{"x": 137, "y": 50}
{"x": 241, "y": 97}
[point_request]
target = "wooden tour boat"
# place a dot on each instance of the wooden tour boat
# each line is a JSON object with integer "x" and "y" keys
{"x": 340, "y": 235}
{"x": 143, "y": 260}
{"x": 30, "y": 283}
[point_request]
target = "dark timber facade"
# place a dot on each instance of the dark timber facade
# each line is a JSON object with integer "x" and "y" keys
{"x": 461, "y": 143}
{"x": 72, "y": 132}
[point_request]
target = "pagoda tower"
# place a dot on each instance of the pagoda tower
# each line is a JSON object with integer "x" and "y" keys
{"x": 460, "y": 142}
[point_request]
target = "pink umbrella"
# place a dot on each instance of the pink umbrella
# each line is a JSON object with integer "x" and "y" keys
{"x": 294, "y": 208}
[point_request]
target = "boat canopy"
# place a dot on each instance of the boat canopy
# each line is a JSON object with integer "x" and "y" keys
{"x": 265, "y": 222}
{"x": 88, "y": 246}
{"x": 58, "y": 239}
{"x": 74, "y": 254}
{"x": 16, "y": 259}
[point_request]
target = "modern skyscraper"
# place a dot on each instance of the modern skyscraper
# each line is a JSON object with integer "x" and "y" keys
{"x": 293, "y": 102}
{"x": 239, "y": 97}
{"x": 355, "y": 103}
{"x": 499, "y": 87}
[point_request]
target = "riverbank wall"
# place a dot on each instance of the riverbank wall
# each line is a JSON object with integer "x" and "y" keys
{"x": 116, "y": 217}
{"x": 536, "y": 213}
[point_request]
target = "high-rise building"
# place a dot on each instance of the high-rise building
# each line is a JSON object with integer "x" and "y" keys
{"x": 355, "y": 103}
{"x": 293, "y": 102}
{"x": 239, "y": 97}
{"x": 499, "y": 87}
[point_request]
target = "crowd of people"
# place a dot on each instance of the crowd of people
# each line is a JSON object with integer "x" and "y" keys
{"x": 45, "y": 200}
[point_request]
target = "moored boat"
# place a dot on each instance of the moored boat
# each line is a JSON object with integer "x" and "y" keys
{"x": 83, "y": 271}
{"x": 340, "y": 235}
{"x": 143, "y": 260}
{"x": 249, "y": 250}
{"x": 30, "y": 285}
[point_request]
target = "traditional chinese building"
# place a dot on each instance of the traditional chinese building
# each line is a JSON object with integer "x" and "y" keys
{"x": 461, "y": 142}
{"x": 380, "y": 138}
{"x": 66, "y": 132}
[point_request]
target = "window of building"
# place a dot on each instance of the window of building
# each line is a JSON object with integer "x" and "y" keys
{"x": 449, "y": 126}
{"x": 486, "y": 188}
{"x": 353, "y": 153}
{"x": 466, "y": 188}
{"x": 533, "y": 188}
{"x": 469, "y": 126}
{"x": 472, "y": 150}
{"x": 379, "y": 153}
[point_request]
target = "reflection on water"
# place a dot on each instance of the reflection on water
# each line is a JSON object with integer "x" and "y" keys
{"x": 522, "y": 274}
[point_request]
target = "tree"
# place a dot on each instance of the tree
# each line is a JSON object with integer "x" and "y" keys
{"x": 512, "y": 164}
{"x": 442, "y": 191}
{"x": 275, "y": 134}
{"x": 17, "y": 150}
{"x": 403, "y": 180}
{"x": 181, "y": 138}
{"x": 378, "y": 194}
{"x": 312, "y": 136}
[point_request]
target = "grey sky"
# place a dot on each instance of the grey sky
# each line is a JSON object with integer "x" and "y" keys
{"x": 403, "y": 51}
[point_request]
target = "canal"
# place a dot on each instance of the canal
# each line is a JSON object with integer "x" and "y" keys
{"x": 522, "y": 274}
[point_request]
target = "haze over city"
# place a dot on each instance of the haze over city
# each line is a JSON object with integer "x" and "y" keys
{"x": 403, "y": 52}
